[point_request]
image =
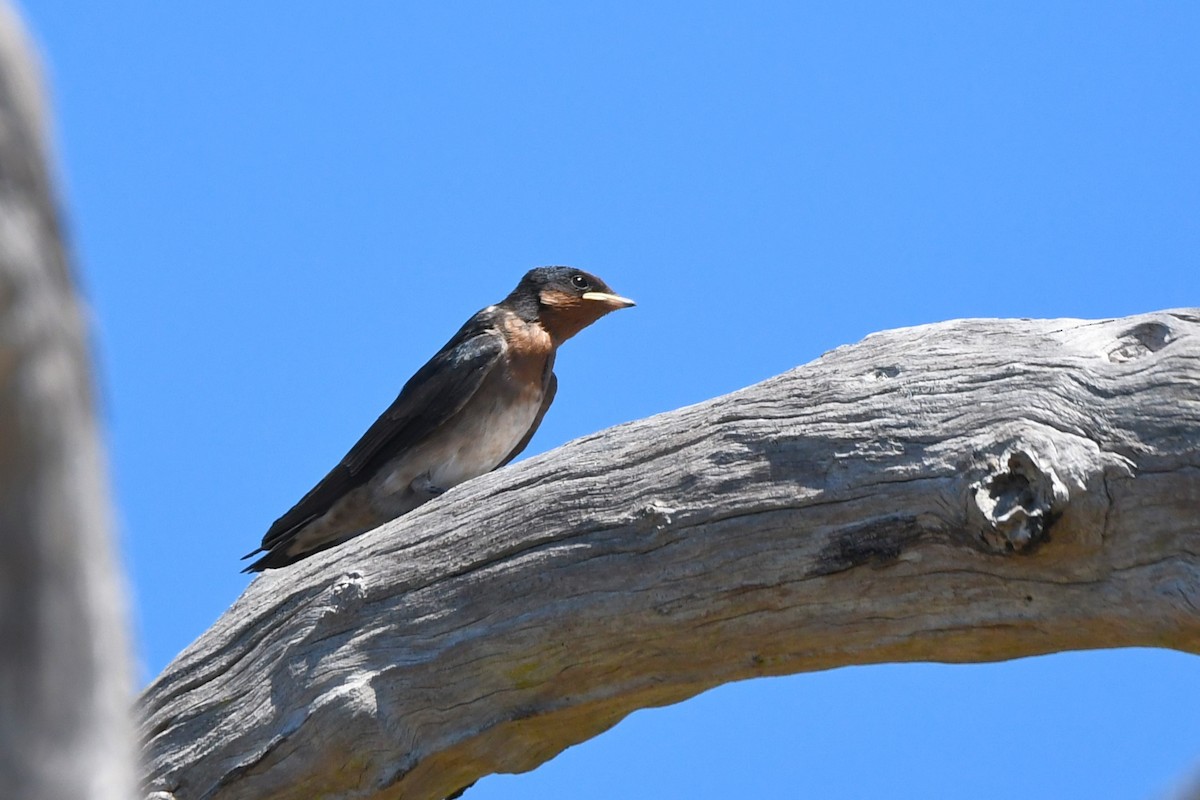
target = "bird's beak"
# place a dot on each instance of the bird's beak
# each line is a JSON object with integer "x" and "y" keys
{"x": 611, "y": 300}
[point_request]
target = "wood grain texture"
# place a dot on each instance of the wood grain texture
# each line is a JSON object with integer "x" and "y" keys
{"x": 966, "y": 491}
{"x": 65, "y": 682}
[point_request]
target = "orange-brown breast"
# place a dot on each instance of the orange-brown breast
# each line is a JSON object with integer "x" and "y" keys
{"x": 529, "y": 345}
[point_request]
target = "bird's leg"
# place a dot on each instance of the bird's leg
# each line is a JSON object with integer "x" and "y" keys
{"x": 424, "y": 488}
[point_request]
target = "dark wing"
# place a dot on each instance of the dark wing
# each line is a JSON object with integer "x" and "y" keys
{"x": 437, "y": 392}
{"x": 549, "y": 391}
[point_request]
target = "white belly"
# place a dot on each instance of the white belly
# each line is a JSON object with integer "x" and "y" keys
{"x": 482, "y": 440}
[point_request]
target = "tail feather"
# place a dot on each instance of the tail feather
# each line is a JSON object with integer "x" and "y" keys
{"x": 281, "y": 555}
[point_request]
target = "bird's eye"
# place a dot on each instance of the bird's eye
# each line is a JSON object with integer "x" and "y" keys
{"x": 580, "y": 282}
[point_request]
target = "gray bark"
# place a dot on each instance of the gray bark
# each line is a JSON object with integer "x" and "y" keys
{"x": 65, "y": 687}
{"x": 967, "y": 491}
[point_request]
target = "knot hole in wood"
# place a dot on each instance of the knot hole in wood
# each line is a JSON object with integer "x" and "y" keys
{"x": 1016, "y": 505}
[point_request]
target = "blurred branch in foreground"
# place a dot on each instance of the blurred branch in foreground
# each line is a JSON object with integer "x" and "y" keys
{"x": 64, "y": 668}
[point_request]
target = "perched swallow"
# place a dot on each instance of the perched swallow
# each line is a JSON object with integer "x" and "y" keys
{"x": 472, "y": 408}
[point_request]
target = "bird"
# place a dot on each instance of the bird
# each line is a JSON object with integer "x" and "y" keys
{"x": 470, "y": 409}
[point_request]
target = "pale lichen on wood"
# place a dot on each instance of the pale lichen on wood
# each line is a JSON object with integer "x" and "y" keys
{"x": 966, "y": 491}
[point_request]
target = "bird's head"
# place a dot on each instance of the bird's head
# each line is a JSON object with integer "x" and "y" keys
{"x": 567, "y": 300}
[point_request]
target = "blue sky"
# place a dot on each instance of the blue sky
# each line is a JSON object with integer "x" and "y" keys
{"x": 281, "y": 210}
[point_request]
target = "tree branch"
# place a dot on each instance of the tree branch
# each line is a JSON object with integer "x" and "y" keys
{"x": 968, "y": 491}
{"x": 65, "y": 685}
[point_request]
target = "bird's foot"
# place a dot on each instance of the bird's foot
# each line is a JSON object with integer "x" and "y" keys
{"x": 424, "y": 488}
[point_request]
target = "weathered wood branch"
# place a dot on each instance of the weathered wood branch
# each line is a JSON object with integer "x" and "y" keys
{"x": 967, "y": 491}
{"x": 65, "y": 682}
